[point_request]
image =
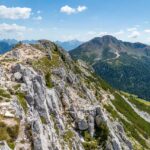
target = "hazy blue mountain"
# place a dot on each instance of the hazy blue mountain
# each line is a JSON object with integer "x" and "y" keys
{"x": 7, "y": 44}
{"x": 124, "y": 65}
{"x": 4, "y": 47}
{"x": 69, "y": 45}
{"x": 10, "y": 41}
{"x": 29, "y": 41}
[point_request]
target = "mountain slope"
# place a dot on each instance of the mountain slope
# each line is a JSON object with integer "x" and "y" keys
{"x": 49, "y": 102}
{"x": 124, "y": 65}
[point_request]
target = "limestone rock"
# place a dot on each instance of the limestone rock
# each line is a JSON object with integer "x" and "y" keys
{"x": 4, "y": 146}
{"x": 17, "y": 76}
{"x": 72, "y": 78}
{"x": 1, "y": 72}
{"x": 91, "y": 125}
{"x": 82, "y": 124}
{"x": 60, "y": 72}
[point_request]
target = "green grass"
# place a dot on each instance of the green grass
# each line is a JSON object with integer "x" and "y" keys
{"x": 99, "y": 82}
{"x": 22, "y": 100}
{"x": 45, "y": 64}
{"x": 89, "y": 142}
{"x": 138, "y": 123}
{"x": 49, "y": 84}
{"x": 139, "y": 104}
{"x": 101, "y": 133}
{"x": 68, "y": 135}
{"x": 9, "y": 133}
{"x": 100, "y": 137}
{"x": 8, "y": 60}
{"x": 4, "y": 93}
{"x": 43, "y": 120}
{"x": 129, "y": 128}
{"x": 16, "y": 87}
{"x": 111, "y": 110}
{"x": 52, "y": 116}
{"x": 92, "y": 145}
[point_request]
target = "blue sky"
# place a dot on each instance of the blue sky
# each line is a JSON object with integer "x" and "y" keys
{"x": 63, "y": 20}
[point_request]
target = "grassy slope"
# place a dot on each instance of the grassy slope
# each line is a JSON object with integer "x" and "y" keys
{"x": 137, "y": 127}
{"x": 139, "y": 103}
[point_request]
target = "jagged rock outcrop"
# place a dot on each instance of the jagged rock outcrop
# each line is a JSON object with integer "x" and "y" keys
{"x": 55, "y": 105}
{"x": 4, "y": 146}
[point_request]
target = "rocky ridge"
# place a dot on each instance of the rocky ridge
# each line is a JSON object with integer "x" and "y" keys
{"x": 50, "y": 102}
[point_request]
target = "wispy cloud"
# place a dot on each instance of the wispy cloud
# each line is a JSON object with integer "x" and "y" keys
{"x": 11, "y": 27}
{"x": 14, "y": 12}
{"x": 103, "y": 33}
{"x": 13, "y": 30}
{"x": 81, "y": 8}
{"x": 132, "y": 29}
{"x": 38, "y": 18}
{"x": 134, "y": 34}
{"x": 147, "y": 30}
{"x": 70, "y": 10}
{"x": 121, "y": 32}
{"x": 91, "y": 33}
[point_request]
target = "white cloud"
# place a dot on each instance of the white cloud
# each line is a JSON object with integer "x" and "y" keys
{"x": 11, "y": 27}
{"x": 134, "y": 34}
{"x": 38, "y": 18}
{"x": 96, "y": 34}
{"x": 81, "y": 8}
{"x": 13, "y": 31}
{"x": 91, "y": 33}
{"x": 70, "y": 10}
{"x": 147, "y": 30}
{"x": 103, "y": 33}
{"x": 119, "y": 32}
{"x": 148, "y": 40}
{"x": 131, "y": 29}
{"x": 67, "y": 9}
{"x": 14, "y": 12}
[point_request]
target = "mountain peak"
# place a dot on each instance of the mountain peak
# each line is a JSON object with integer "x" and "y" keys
{"x": 106, "y": 38}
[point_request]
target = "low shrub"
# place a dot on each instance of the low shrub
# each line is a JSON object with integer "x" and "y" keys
{"x": 9, "y": 134}
{"x": 22, "y": 100}
{"x": 49, "y": 84}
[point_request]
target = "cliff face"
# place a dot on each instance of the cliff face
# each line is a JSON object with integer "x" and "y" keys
{"x": 49, "y": 102}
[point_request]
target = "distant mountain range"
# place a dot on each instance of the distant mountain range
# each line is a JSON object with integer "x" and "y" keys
{"x": 124, "y": 65}
{"x": 4, "y": 47}
{"x": 69, "y": 45}
{"x": 7, "y": 44}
